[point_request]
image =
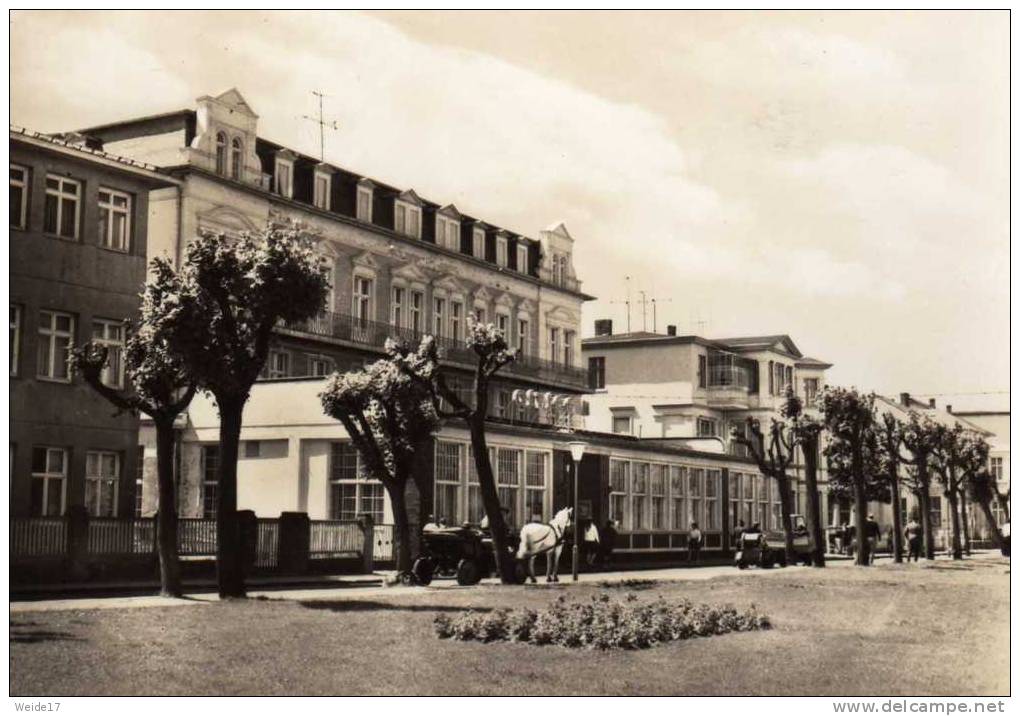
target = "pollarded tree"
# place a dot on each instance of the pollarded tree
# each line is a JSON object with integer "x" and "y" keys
{"x": 773, "y": 453}
{"x": 233, "y": 293}
{"x": 982, "y": 489}
{"x": 920, "y": 436}
{"x": 849, "y": 417}
{"x": 807, "y": 432}
{"x": 889, "y": 440}
{"x": 956, "y": 459}
{"x": 492, "y": 352}
{"x": 389, "y": 418}
{"x": 158, "y": 385}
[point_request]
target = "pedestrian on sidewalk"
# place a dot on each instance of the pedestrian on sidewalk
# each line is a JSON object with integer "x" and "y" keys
{"x": 913, "y": 534}
{"x": 694, "y": 541}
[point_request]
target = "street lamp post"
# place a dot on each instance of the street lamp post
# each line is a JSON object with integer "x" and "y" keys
{"x": 576, "y": 453}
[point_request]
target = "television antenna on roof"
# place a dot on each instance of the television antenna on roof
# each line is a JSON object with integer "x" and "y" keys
{"x": 323, "y": 124}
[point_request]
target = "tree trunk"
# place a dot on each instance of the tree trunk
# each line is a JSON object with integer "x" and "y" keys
{"x": 954, "y": 515}
{"x": 1003, "y": 500}
{"x": 229, "y": 558}
{"x": 401, "y": 528}
{"x": 965, "y": 520}
{"x": 897, "y": 518}
{"x": 924, "y": 495}
{"x": 993, "y": 527}
{"x": 490, "y": 499}
{"x": 786, "y": 515}
{"x": 861, "y": 501}
{"x": 166, "y": 515}
{"x": 814, "y": 509}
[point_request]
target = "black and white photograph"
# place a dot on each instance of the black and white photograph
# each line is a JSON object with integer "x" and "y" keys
{"x": 525, "y": 353}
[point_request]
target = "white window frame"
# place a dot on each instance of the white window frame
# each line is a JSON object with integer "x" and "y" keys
{"x": 523, "y": 335}
{"x": 554, "y": 343}
{"x": 51, "y": 334}
{"x": 284, "y": 188}
{"x": 619, "y": 494}
{"x": 209, "y": 511}
{"x": 50, "y": 477}
{"x": 327, "y": 365}
{"x": 115, "y": 349}
{"x": 14, "y": 336}
{"x": 23, "y": 183}
{"x": 321, "y": 198}
{"x": 531, "y": 484}
{"x": 416, "y": 310}
{"x": 439, "y": 315}
{"x": 235, "y": 162}
{"x": 97, "y": 476}
{"x": 329, "y": 263}
{"x": 366, "y": 214}
{"x": 503, "y": 325}
{"x": 107, "y": 209}
{"x": 222, "y": 153}
{"x": 407, "y": 219}
{"x": 398, "y": 294}
{"x": 447, "y": 232}
{"x": 376, "y": 497}
{"x": 630, "y": 424}
{"x": 278, "y": 363}
{"x": 457, "y": 320}
{"x": 522, "y": 258}
{"x": 363, "y": 302}
{"x": 502, "y": 255}
{"x": 711, "y": 513}
{"x": 478, "y": 243}
{"x": 679, "y": 509}
{"x": 446, "y": 482}
{"x": 568, "y": 347}
{"x": 61, "y": 194}
{"x": 705, "y": 421}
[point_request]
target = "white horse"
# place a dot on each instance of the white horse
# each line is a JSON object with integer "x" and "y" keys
{"x": 541, "y": 538}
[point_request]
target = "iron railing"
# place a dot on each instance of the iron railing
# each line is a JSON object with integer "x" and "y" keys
{"x": 38, "y": 537}
{"x": 334, "y": 538}
{"x": 365, "y": 332}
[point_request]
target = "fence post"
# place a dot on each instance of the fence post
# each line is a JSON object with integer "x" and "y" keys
{"x": 78, "y": 540}
{"x": 368, "y": 534}
{"x": 248, "y": 531}
{"x": 295, "y": 542}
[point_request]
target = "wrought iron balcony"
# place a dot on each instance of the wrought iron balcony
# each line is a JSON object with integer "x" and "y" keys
{"x": 361, "y": 332}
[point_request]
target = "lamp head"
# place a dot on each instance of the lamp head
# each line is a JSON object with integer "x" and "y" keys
{"x": 577, "y": 449}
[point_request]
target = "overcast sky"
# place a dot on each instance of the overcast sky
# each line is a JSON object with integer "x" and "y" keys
{"x": 839, "y": 177}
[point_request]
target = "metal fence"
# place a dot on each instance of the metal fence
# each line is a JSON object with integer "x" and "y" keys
{"x": 196, "y": 537}
{"x": 121, "y": 536}
{"x": 38, "y": 537}
{"x": 267, "y": 546}
{"x": 335, "y": 538}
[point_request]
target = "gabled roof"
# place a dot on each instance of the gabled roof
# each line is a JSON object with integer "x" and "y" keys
{"x": 410, "y": 197}
{"x": 809, "y": 362}
{"x": 233, "y": 99}
{"x": 783, "y": 343}
{"x": 898, "y": 410}
{"x": 450, "y": 210}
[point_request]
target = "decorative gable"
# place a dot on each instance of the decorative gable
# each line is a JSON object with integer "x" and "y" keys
{"x": 233, "y": 100}
{"x": 408, "y": 196}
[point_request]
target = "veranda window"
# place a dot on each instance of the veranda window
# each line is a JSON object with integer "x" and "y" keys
{"x": 677, "y": 492}
{"x": 734, "y": 499}
{"x": 658, "y": 487}
{"x": 639, "y": 496}
{"x": 353, "y": 493}
{"x": 535, "y": 486}
{"x": 447, "y": 500}
{"x": 619, "y": 477}
{"x": 713, "y": 483}
{"x": 695, "y": 478}
{"x": 508, "y": 479}
{"x": 210, "y": 480}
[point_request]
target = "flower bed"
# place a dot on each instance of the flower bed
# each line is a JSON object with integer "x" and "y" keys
{"x": 601, "y": 623}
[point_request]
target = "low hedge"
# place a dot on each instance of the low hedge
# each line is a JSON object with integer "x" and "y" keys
{"x": 601, "y": 623}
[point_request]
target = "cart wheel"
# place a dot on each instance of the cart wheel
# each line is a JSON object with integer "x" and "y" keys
{"x": 467, "y": 573}
{"x": 782, "y": 561}
{"x": 520, "y": 572}
{"x": 741, "y": 564}
{"x": 766, "y": 561}
{"x": 422, "y": 569}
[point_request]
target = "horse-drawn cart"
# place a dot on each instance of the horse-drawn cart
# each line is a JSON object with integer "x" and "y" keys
{"x": 464, "y": 553}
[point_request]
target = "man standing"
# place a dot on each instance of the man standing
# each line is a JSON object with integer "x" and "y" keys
{"x": 694, "y": 539}
{"x": 913, "y": 534}
{"x": 873, "y": 533}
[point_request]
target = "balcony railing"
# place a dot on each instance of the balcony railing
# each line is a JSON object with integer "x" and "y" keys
{"x": 373, "y": 334}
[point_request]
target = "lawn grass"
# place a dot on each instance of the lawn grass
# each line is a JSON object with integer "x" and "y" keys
{"x": 842, "y": 631}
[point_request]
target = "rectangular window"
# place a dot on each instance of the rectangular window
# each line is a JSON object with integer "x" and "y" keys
{"x": 810, "y": 389}
{"x": 19, "y": 197}
{"x": 702, "y": 372}
{"x": 56, "y": 334}
{"x": 568, "y": 348}
{"x": 936, "y": 512}
{"x": 502, "y": 404}
{"x": 478, "y": 244}
{"x": 414, "y": 222}
{"x": 677, "y": 495}
{"x": 415, "y": 314}
{"x": 397, "y": 307}
{"x": 321, "y": 196}
{"x": 320, "y": 365}
{"x": 535, "y": 486}
{"x": 453, "y": 235}
{"x": 735, "y": 484}
{"x": 597, "y": 373}
{"x": 554, "y": 344}
{"x": 996, "y": 468}
{"x": 102, "y": 475}
{"x": 695, "y": 479}
{"x": 713, "y": 484}
{"x": 750, "y": 491}
{"x": 523, "y": 337}
{"x": 110, "y": 334}
{"x": 503, "y": 325}
{"x": 63, "y": 206}
{"x": 448, "y": 472}
{"x": 622, "y": 424}
{"x": 658, "y": 490}
{"x": 476, "y": 509}
{"x": 284, "y": 185}
{"x": 706, "y": 428}
{"x": 363, "y": 210}
{"x": 501, "y": 254}
{"x": 14, "y": 337}
{"x": 639, "y": 496}
{"x": 114, "y": 219}
{"x": 619, "y": 482}
{"x": 139, "y": 480}
{"x": 522, "y": 258}
{"x": 278, "y": 364}
{"x": 439, "y": 316}
{"x": 765, "y": 503}
{"x": 210, "y": 480}
{"x": 352, "y": 492}
{"x": 508, "y": 480}
{"x": 456, "y": 316}
{"x": 49, "y": 481}
{"x": 362, "y": 299}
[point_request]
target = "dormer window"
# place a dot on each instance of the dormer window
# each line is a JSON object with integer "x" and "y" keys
{"x": 236, "y": 158}
{"x": 323, "y": 184}
{"x": 363, "y": 205}
{"x": 448, "y": 233}
{"x": 522, "y": 257}
{"x": 407, "y": 219}
{"x": 284, "y": 177}
{"x": 501, "y": 250}
{"x": 221, "y": 153}
{"x": 478, "y": 243}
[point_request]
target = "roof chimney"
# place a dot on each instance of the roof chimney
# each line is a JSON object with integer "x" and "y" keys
{"x": 931, "y": 402}
{"x": 905, "y": 400}
{"x": 670, "y": 330}
{"x": 604, "y": 327}
{"x": 949, "y": 408}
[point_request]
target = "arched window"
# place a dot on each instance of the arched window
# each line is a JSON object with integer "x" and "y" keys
{"x": 236, "y": 154}
{"x": 221, "y": 153}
